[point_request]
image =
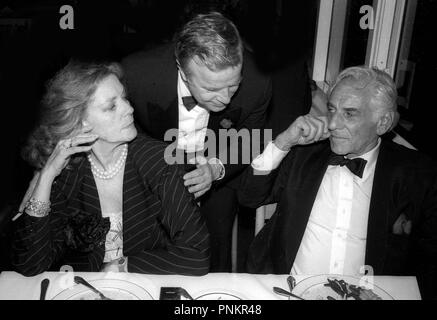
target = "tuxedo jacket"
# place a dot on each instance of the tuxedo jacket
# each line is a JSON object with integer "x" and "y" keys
{"x": 163, "y": 231}
{"x": 404, "y": 188}
{"x": 151, "y": 81}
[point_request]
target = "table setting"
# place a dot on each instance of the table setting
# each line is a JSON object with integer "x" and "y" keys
{"x": 213, "y": 286}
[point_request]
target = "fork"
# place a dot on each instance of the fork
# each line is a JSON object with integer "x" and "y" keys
{"x": 80, "y": 280}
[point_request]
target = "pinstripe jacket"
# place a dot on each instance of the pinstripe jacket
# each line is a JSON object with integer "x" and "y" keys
{"x": 163, "y": 231}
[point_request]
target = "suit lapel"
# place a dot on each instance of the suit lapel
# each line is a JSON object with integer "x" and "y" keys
{"x": 231, "y": 115}
{"x": 134, "y": 209}
{"x": 88, "y": 193}
{"x": 163, "y": 110}
{"x": 79, "y": 189}
{"x": 378, "y": 222}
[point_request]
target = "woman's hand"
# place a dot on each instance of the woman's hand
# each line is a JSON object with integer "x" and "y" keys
{"x": 41, "y": 189}
{"x": 64, "y": 150}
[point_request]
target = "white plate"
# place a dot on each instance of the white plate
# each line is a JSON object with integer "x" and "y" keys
{"x": 219, "y": 295}
{"x": 112, "y": 288}
{"x": 313, "y": 288}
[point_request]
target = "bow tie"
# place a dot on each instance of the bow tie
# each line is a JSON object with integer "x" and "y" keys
{"x": 356, "y": 166}
{"x": 189, "y": 102}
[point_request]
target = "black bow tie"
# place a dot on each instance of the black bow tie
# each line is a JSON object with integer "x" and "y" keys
{"x": 189, "y": 102}
{"x": 356, "y": 166}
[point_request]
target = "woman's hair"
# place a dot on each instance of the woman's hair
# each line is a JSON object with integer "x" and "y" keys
{"x": 63, "y": 107}
{"x": 211, "y": 38}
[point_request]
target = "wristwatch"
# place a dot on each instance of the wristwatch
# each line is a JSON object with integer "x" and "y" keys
{"x": 222, "y": 167}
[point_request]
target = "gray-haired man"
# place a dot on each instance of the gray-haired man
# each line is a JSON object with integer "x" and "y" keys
{"x": 350, "y": 203}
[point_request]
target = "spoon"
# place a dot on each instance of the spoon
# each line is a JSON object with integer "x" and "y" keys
{"x": 291, "y": 282}
{"x": 80, "y": 280}
{"x": 44, "y": 286}
{"x": 286, "y": 293}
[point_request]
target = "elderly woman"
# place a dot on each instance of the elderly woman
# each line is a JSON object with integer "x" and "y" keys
{"x": 104, "y": 198}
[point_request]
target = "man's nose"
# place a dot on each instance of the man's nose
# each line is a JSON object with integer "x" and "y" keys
{"x": 225, "y": 96}
{"x": 129, "y": 109}
{"x": 334, "y": 121}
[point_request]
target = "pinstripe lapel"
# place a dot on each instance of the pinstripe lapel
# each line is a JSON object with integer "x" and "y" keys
{"x": 80, "y": 193}
{"x": 78, "y": 187}
{"x": 134, "y": 209}
{"x": 88, "y": 193}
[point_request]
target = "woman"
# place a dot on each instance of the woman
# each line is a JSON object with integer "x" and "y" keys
{"x": 104, "y": 198}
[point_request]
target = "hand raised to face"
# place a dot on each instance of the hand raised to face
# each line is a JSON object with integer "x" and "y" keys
{"x": 304, "y": 130}
{"x": 65, "y": 148}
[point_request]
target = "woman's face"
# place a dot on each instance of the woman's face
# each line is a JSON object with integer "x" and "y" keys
{"x": 110, "y": 114}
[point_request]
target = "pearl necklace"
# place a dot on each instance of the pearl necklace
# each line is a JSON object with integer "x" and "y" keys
{"x": 112, "y": 172}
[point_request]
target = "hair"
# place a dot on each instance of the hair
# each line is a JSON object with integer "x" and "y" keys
{"x": 63, "y": 107}
{"x": 382, "y": 87}
{"x": 211, "y": 38}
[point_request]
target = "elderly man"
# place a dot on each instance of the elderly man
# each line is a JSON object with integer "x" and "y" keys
{"x": 355, "y": 203}
{"x": 195, "y": 85}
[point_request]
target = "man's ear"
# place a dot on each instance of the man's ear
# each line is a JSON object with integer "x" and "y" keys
{"x": 183, "y": 75}
{"x": 385, "y": 122}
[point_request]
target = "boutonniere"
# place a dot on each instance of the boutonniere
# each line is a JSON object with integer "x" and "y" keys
{"x": 402, "y": 226}
{"x": 226, "y": 123}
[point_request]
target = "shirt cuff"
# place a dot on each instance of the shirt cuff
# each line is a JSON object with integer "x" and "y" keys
{"x": 270, "y": 158}
{"x": 222, "y": 167}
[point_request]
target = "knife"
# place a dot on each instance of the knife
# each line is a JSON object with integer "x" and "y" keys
{"x": 286, "y": 293}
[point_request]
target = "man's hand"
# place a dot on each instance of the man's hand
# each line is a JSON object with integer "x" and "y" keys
{"x": 200, "y": 179}
{"x": 304, "y": 130}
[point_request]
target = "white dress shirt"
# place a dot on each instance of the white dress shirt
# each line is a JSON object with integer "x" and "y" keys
{"x": 334, "y": 240}
{"x": 192, "y": 124}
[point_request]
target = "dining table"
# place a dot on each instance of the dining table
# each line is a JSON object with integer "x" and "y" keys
{"x": 212, "y": 286}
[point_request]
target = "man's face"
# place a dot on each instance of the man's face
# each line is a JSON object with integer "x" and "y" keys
{"x": 352, "y": 121}
{"x": 213, "y": 90}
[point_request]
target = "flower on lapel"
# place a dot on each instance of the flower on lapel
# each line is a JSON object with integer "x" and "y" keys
{"x": 402, "y": 226}
{"x": 86, "y": 232}
{"x": 226, "y": 123}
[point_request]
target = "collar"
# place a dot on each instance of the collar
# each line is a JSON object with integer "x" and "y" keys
{"x": 370, "y": 156}
{"x": 184, "y": 91}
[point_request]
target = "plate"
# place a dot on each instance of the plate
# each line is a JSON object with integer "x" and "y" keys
{"x": 112, "y": 288}
{"x": 219, "y": 295}
{"x": 313, "y": 288}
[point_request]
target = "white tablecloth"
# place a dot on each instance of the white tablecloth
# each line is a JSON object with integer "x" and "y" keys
{"x": 248, "y": 286}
